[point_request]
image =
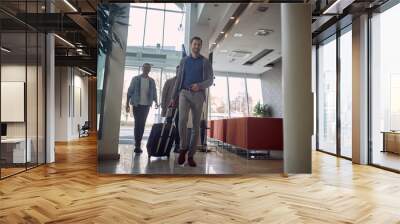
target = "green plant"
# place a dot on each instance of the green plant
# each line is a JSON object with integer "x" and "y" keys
{"x": 262, "y": 110}
{"x": 107, "y": 16}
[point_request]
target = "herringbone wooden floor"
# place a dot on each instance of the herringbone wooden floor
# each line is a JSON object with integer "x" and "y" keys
{"x": 71, "y": 191}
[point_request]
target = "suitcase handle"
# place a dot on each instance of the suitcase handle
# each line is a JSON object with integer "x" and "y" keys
{"x": 169, "y": 119}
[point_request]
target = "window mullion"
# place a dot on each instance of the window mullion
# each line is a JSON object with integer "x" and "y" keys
{"x": 163, "y": 30}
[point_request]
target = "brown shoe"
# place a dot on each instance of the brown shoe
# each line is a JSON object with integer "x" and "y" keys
{"x": 182, "y": 157}
{"x": 191, "y": 162}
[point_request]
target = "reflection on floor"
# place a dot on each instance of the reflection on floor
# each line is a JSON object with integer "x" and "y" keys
{"x": 216, "y": 161}
{"x": 10, "y": 171}
{"x": 387, "y": 159}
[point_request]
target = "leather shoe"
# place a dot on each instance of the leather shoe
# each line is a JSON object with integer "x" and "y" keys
{"x": 191, "y": 162}
{"x": 182, "y": 157}
{"x": 138, "y": 150}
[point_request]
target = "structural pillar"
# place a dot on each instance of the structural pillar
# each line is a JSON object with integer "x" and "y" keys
{"x": 50, "y": 98}
{"x": 360, "y": 90}
{"x": 112, "y": 87}
{"x": 50, "y": 92}
{"x": 297, "y": 90}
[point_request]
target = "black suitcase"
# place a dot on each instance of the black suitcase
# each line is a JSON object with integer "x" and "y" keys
{"x": 162, "y": 137}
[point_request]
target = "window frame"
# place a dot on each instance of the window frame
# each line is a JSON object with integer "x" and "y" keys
{"x": 334, "y": 37}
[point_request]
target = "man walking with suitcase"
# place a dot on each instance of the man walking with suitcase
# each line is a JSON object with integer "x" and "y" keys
{"x": 195, "y": 75}
{"x": 166, "y": 97}
{"x": 141, "y": 94}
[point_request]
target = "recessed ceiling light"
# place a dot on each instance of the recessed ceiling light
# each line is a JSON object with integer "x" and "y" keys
{"x": 263, "y": 32}
{"x": 238, "y": 35}
{"x": 224, "y": 51}
{"x": 262, "y": 8}
{"x": 222, "y": 32}
{"x": 214, "y": 43}
{"x": 232, "y": 17}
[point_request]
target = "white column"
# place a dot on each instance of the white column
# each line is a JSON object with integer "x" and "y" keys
{"x": 113, "y": 86}
{"x": 50, "y": 98}
{"x": 297, "y": 95}
{"x": 360, "y": 90}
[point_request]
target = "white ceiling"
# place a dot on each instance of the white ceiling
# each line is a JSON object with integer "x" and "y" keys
{"x": 210, "y": 13}
{"x": 250, "y": 21}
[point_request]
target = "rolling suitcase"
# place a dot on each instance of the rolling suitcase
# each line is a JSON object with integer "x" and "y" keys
{"x": 162, "y": 136}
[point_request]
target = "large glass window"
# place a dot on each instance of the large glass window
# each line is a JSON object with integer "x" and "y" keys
{"x": 173, "y": 34}
{"x": 137, "y": 17}
{"x": 254, "y": 93}
{"x": 346, "y": 94}
{"x": 156, "y": 25}
{"x": 229, "y": 96}
{"x": 385, "y": 89}
{"x": 237, "y": 97}
{"x": 218, "y": 98}
{"x": 154, "y": 29}
{"x": 327, "y": 96}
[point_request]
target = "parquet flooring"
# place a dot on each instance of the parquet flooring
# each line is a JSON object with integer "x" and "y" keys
{"x": 71, "y": 191}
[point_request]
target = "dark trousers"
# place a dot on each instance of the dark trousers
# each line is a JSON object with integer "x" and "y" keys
{"x": 140, "y": 113}
{"x": 177, "y": 139}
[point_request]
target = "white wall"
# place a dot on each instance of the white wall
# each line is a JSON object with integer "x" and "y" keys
{"x": 271, "y": 86}
{"x": 70, "y": 84}
{"x": 33, "y": 125}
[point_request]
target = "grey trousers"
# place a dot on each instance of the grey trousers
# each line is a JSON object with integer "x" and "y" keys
{"x": 190, "y": 101}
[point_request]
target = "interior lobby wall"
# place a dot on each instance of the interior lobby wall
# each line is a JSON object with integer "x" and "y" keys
{"x": 16, "y": 73}
{"x": 271, "y": 85}
{"x": 71, "y": 102}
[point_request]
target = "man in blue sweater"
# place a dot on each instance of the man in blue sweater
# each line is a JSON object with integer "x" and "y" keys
{"x": 195, "y": 75}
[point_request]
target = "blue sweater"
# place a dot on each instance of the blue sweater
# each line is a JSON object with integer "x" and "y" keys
{"x": 193, "y": 71}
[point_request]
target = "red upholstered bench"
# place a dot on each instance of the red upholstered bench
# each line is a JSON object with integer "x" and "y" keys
{"x": 255, "y": 133}
{"x": 219, "y": 131}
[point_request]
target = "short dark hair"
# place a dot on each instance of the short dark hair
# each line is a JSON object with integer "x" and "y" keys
{"x": 196, "y": 38}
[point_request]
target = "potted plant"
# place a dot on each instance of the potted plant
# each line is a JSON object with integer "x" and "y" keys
{"x": 262, "y": 110}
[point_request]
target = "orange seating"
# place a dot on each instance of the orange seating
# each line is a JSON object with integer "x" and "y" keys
{"x": 251, "y": 132}
{"x": 220, "y": 129}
